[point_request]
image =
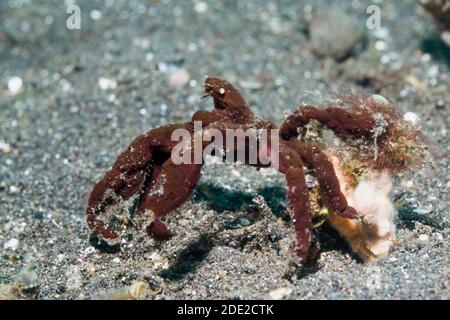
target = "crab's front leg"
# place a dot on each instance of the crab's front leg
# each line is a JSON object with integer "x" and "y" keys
{"x": 123, "y": 180}
{"x": 126, "y": 178}
{"x": 167, "y": 188}
{"x": 170, "y": 184}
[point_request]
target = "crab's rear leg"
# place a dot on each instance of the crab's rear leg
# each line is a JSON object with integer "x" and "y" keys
{"x": 324, "y": 171}
{"x": 297, "y": 195}
{"x": 355, "y": 122}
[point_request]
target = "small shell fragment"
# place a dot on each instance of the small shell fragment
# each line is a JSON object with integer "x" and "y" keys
{"x": 280, "y": 293}
{"x": 15, "y": 85}
{"x": 136, "y": 291}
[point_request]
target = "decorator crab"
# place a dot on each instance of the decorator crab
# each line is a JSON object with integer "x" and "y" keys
{"x": 374, "y": 141}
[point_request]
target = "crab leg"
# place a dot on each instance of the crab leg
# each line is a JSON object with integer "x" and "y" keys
{"x": 121, "y": 182}
{"x": 291, "y": 165}
{"x": 355, "y": 122}
{"x": 166, "y": 189}
{"x": 170, "y": 184}
{"x": 326, "y": 176}
{"x": 297, "y": 195}
{"x": 126, "y": 176}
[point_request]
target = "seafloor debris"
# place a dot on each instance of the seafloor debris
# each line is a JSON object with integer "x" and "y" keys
{"x": 372, "y": 235}
{"x": 259, "y": 228}
{"x": 5, "y": 147}
{"x": 280, "y": 293}
{"x": 11, "y": 244}
{"x": 25, "y": 286}
{"x": 74, "y": 278}
{"x": 15, "y": 85}
{"x": 179, "y": 78}
{"x": 136, "y": 291}
{"x": 371, "y": 135}
{"x": 440, "y": 10}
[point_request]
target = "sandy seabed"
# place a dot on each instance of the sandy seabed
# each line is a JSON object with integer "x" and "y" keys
{"x": 85, "y": 94}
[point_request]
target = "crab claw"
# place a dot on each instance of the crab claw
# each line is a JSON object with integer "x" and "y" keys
{"x": 159, "y": 231}
{"x": 101, "y": 229}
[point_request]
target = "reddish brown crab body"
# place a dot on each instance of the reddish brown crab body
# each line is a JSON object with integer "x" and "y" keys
{"x": 146, "y": 167}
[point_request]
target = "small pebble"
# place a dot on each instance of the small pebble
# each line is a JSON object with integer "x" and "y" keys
{"x": 380, "y": 99}
{"x": 73, "y": 275}
{"x": 90, "y": 268}
{"x": 445, "y": 36}
{"x": 183, "y": 222}
{"x": 15, "y": 85}
{"x": 27, "y": 279}
{"x": 137, "y": 290}
{"x": 6, "y": 148}
{"x": 244, "y": 222}
{"x": 107, "y": 84}
{"x": 179, "y": 78}
{"x": 408, "y": 184}
{"x": 280, "y": 293}
{"x": 96, "y": 14}
{"x": 421, "y": 211}
{"x": 201, "y": 7}
{"x": 334, "y": 33}
{"x": 162, "y": 67}
{"x": 11, "y": 244}
{"x": 381, "y": 45}
{"x": 411, "y": 117}
{"x": 254, "y": 85}
{"x": 149, "y": 56}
